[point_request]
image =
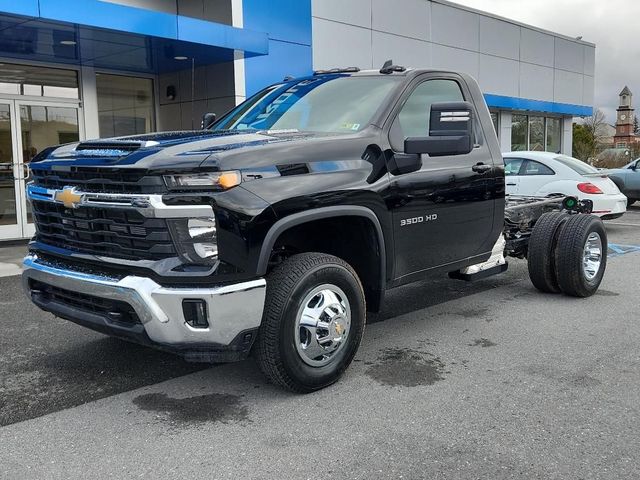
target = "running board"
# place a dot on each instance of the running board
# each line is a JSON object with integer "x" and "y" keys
{"x": 472, "y": 277}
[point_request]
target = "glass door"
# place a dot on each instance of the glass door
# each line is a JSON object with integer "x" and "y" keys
{"x": 41, "y": 125}
{"x": 11, "y": 213}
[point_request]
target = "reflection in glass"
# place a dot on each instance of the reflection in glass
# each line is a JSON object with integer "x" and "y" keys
{"x": 125, "y": 105}
{"x": 519, "y": 132}
{"x": 554, "y": 134}
{"x": 536, "y": 134}
{"x": 8, "y": 215}
{"x": 42, "y": 127}
{"x": 494, "y": 120}
{"x": 38, "y": 81}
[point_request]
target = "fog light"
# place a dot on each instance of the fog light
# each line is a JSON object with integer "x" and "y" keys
{"x": 195, "y": 313}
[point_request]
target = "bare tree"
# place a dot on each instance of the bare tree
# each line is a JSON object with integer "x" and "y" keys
{"x": 595, "y": 125}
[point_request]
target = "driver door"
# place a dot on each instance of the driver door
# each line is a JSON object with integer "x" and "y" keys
{"x": 442, "y": 213}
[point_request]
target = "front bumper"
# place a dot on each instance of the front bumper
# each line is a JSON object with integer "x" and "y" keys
{"x": 235, "y": 311}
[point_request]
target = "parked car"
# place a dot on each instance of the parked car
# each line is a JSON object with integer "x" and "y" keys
{"x": 545, "y": 173}
{"x": 627, "y": 179}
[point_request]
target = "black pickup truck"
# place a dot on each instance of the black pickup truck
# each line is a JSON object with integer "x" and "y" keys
{"x": 275, "y": 229}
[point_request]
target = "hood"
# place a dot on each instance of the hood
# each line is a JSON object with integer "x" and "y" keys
{"x": 165, "y": 151}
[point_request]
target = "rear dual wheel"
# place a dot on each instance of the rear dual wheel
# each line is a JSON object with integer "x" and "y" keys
{"x": 567, "y": 253}
{"x": 581, "y": 255}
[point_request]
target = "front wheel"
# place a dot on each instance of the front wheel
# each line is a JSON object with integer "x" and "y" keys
{"x": 631, "y": 201}
{"x": 313, "y": 322}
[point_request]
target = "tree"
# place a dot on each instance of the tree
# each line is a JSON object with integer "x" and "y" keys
{"x": 636, "y": 125}
{"x": 596, "y": 124}
{"x": 588, "y": 135}
{"x": 584, "y": 143}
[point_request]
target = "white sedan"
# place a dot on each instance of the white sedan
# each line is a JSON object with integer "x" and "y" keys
{"x": 540, "y": 174}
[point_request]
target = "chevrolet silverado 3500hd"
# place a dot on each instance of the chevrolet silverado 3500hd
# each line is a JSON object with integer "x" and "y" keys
{"x": 278, "y": 227}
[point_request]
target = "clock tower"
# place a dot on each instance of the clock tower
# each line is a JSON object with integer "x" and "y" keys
{"x": 624, "y": 121}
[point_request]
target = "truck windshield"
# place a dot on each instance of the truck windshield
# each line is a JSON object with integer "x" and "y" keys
{"x": 326, "y": 103}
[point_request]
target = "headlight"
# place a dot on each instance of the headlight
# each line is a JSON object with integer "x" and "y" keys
{"x": 195, "y": 239}
{"x": 216, "y": 180}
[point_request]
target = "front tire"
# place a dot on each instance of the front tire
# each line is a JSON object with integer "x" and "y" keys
{"x": 631, "y": 201}
{"x": 312, "y": 324}
{"x": 581, "y": 255}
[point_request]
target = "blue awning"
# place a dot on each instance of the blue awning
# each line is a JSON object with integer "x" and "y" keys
{"x": 108, "y": 35}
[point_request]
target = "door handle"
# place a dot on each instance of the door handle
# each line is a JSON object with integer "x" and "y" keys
{"x": 512, "y": 184}
{"x": 481, "y": 168}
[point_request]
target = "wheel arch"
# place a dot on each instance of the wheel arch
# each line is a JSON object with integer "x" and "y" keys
{"x": 374, "y": 287}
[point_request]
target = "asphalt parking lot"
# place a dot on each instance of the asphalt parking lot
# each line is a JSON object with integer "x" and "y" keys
{"x": 453, "y": 380}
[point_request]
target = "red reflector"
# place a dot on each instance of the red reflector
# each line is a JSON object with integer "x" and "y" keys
{"x": 589, "y": 188}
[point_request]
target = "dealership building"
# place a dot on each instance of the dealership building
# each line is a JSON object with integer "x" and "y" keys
{"x": 81, "y": 69}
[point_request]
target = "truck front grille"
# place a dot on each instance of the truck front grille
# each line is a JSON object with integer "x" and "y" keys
{"x": 99, "y": 180}
{"x": 114, "y": 310}
{"x": 111, "y": 232}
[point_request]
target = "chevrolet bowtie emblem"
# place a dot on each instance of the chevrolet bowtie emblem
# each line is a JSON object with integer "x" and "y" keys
{"x": 68, "y": 197}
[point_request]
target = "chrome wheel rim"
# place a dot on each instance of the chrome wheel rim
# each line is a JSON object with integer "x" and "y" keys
{"x": 322, "y": 325}
{"x": 592, "y": 256}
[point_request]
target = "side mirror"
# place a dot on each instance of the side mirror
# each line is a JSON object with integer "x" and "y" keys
{"x": 208, "y": 119}
{"x": 450, "y": 131}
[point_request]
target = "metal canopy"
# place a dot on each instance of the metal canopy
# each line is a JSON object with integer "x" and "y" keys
{"x": 106, "y": 35}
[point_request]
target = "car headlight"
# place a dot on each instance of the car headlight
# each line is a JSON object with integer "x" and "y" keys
{"x": 195, "y": 239}
{"x": 216, "y": 180}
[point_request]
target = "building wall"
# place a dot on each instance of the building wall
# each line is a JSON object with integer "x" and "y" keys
{"x": 214, "y": 92}
{"x": 507, "y": 58}
{"x": 288, "y": 23}
{"x": 518, "y": 67}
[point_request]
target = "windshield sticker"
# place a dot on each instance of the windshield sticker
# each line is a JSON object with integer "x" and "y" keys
{"x": 350, "y": 126}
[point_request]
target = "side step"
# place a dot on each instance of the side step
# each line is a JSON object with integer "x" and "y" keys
{"x": 472, "y": 277}
{"x": 494, "y": 265}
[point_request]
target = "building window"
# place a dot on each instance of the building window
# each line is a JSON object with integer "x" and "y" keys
{"x": 519, "y": 132}
{"x": 125, "y": 105}
{"x": 536, "y": 134}
{"x": 554, "y": 134}
{"x": 495, "y": 119}
{"x": 38, "y": 81}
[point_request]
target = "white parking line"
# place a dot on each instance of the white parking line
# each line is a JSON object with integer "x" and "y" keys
{"x": 624, "y": 224}
{"x": 9, "y": 269}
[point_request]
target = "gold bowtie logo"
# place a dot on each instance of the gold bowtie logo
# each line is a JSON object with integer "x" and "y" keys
{"x": 68, "y": 197}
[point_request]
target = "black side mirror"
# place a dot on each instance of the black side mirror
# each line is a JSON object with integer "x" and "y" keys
{"x": 208, "y": 119}
{"x": 450, "y": 131}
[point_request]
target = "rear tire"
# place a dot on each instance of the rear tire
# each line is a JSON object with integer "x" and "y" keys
{"x": 541, "y": 253}
{"x": 581, "y": 255}
{"x": 313, "y": 322}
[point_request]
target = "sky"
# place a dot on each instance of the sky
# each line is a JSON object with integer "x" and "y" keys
{"x": 611, "y": 25}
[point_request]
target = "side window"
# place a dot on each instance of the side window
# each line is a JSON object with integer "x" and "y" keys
{"x": 413, "y": 118}
{"x": 536, "y": 168}
{"x": 512, "y": 166}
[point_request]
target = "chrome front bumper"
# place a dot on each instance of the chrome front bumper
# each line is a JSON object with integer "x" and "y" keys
{"x": 232, "y": 309}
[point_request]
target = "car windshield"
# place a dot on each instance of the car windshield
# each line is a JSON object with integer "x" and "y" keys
{"x": 576, "y": 165}
{"x": 326, "y": 103}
